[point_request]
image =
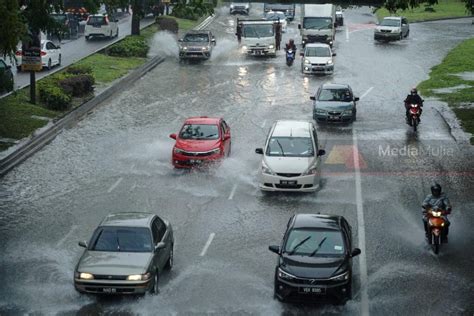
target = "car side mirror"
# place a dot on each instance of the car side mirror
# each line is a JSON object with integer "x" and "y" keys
{"x": 173, "y": 136}
{"x": 321, "y": 152}
{"x": 312, "y": 98}
{"x": 299, "y": 26}
{"x": 355, "y": 252}
{"x": 180, "y": 40}
{"x": 160, "y": 245}
{"x": 356, "y": 99}
{"x": 274, "y": 249}
{"x": 259, "y": 151}
{"x": 333, "y": 54}
{"x": 83, "y": 244}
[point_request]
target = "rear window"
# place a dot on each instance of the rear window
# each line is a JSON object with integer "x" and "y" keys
{"x": 96, "y": 20}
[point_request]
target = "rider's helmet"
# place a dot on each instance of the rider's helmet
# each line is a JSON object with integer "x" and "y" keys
{"x": 292, "y": 42}
{"x": 413, "y": 91}
{"x": 436, "y": 190}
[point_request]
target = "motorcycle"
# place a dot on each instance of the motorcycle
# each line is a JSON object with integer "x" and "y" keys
{"x": 436, "y": 228}
{"x": 290, "y": 56}
{"x": 414, "y": 116}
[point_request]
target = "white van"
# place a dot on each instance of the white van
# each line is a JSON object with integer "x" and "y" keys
{"x": 101, "y": 25}
{"x": 318, "y": 23}
{"x": 291, "y": 158}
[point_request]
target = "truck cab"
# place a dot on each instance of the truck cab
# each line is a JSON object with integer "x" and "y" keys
{"x": 257, "y": 37}
{"x": 318, "y": 23}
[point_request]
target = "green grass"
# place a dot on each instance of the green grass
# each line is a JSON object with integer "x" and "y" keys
{"x": 107, "y": 68}
{"x": 16, "y": 115}
{"x": 443, "y": 76}
{"x": 444, "y": 9}
{"x": 185, "y": 24}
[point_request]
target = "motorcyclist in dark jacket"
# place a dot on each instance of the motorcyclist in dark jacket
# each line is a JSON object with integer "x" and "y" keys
{"x": 291, "y": 45}
{"x": 413, "y": 98}
{"x": 436, "y": 199}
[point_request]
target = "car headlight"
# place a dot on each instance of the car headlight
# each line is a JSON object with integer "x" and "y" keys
{"x": 266, "y": 169}
{"x": 139, "y": 277}
{"x": 231, "y": 6}
{"x": 244, "y": 48}
{"x": 436, "y": 214}
{"x": 183, "y": 48}
{"x": 320, "y": 111}
{"x": 396, "y": 30}
{"x": 178, "y": 151}
{"x": 215, "y": 151}
{"x": 285, "y": 275}
{"x": 307, "y": 61}
{"x": 246, "y": 6}
{"x": 86, "y": 276}
{"x": 311, "y": 170}
{"x": 206, "y": 48}
{"x": 341, "y": 277}
{"x": 329, "y": 62}
{"x": 271, "y": 46}
{"x": 347, "y": 112}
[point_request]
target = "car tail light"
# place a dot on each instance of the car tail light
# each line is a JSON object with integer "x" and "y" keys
{"x": 43, "y": 53}
{"x": 18, "y": 53}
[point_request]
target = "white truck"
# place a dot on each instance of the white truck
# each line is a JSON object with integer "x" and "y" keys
{"x": 318, "y": 23}
{"x": 257, "y": 37}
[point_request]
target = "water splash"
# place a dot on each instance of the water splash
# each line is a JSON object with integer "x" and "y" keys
{"x": 164, "y": 43}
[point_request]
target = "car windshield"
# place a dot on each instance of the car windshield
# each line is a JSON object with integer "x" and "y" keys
{"x": 122, "y": 239}
{"x": 275, "y": 16}
{"x": 290, "y": 147}
{"x": 199, "y": 131}
{"x": 314, "y": 242}
{"x": 390, "y": 22}
{"x": 317, "y": 23}
{"x": 257, "y": 30}
{"x": 96, "y": 20}
{"x": 196, "y": 38}
{"x": 317, "y": 52}
{"x": 341, "y": 95}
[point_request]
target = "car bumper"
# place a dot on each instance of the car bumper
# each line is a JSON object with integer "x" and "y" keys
{"x": 239, "y": 10}
{"x": 112, "y": 287}
{"x": 182, "y": 161}
{"x": 333, "y": 118}
{"x": 387, "y": 36}
{"x": 325, "y": 40}
{"x": 308, "y": 183}
{"x": 194, "y": 55}
{"x": 322, "y": 70}
{"x": 286, "y": 290}
{"x": 260, "y": 52}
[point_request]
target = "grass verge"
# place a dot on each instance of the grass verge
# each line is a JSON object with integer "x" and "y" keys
{"x": 444, "y": 9}
{"x": 446, "y": 75}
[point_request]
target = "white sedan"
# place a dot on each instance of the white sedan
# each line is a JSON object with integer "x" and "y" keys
{"x": 50, "y": 55}
{"x": 277, "y": 16}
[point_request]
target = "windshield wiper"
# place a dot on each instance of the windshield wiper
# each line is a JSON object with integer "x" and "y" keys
{"x": 298, "y": 245}
{"x": 281, "y": 147}
{"x": 319, "y": 246}
{"x": 212, "y": 135}
{"x": 118, "y": 243}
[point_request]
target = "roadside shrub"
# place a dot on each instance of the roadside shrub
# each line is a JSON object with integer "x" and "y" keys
{"x": 79, "y": 69}
{"x": 77, "y": 86}
{"x": 130, "y": 46}
{"x": 168, "y": 24}
{"x": 53, "y": 96}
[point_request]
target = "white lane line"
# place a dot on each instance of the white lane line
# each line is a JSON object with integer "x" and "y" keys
{"x": 61, "y": 242}
{"x": 366, "y": 93}
{"x": 206, "y": 246}
{"x": 347, "y": 33}
{"x": 115, "y": 185}
{"x": 263, "y": 123}
{"x": 231, "y": 196}
{"x": 361, "y": 230}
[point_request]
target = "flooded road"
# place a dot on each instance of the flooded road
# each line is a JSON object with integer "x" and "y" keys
{"x": 117, "y": 159}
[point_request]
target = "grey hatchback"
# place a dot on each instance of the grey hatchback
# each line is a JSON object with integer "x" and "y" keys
{"x": 126, "y": 255}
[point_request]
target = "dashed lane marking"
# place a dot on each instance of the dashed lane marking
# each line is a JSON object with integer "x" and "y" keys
{"x": 231, "y": 196}
{"x": 115, "y": 185}
{"x": 206, "y": 246}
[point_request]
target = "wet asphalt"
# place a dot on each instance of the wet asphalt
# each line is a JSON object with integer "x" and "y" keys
{"x": 118, "y": 159}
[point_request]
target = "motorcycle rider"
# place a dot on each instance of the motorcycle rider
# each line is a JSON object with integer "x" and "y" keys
{"x": 437, "y": 199}
{"x": 413, "y": 98}
{"x": 291, "y": 45}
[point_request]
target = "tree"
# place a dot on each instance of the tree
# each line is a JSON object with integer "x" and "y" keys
{"x": 12, "y": 27}
{"x": 470, "y": 6}
{"x": 137, "y": 9}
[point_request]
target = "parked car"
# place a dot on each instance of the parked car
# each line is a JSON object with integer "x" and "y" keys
{"x": 201, "y": 139}
{"x": 50, "y": 55}
{"x": 240, "y": 7}
{"x": 126, "y": 255}
{"x": 277, "y": 16}
{"x": 317, "y": 59}
{"x": 315, "y": 259}
{"x": 196, "y": 44}
{"x": 291, "y": 157}
{"x": 6, "y": 77}
{"x": 392, "y": 28}
{"x": 334, "y": 103}
{"x": 101, "y": 25}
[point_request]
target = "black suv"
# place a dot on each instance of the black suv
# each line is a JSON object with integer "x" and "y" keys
{"x": 315, "y": 259}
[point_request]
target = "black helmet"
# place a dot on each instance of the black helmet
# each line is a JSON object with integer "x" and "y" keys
{"x": 436, "y": 190}
{"x": 292, "y": 42}
{"x": 414, "y": 91}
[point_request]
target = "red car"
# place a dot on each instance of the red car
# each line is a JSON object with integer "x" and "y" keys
{"x": 201, "y": 139}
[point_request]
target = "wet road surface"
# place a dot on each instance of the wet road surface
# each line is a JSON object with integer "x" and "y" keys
{"x": 118, "y": 159}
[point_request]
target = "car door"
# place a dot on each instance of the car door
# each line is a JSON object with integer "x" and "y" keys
{"x": 404, "y": 27}
{"x": 50, "y": 52}
{"x": 164, "y": 235}
{"x": 316, "y": 151}
{"x": 226, "y": 134}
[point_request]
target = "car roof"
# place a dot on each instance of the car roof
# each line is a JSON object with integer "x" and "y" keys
{"x": 129, "y": 219}
{"x": 284, "y": 128}
{"x": 202, "y": 120}
{"x": 335, "y": 86}
{"x": 316, "y": 45}
{"x": 393, "y": 18}
{"x": 317, "y": 221}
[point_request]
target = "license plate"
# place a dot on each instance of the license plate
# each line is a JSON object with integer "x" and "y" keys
{"x": 318, "y": 68}
{"x": 287, "y": 182}
{"x": 196, "y": 161}
{"x": 334, "y": 117}
{"x": 258, "y": 52}
{"x": 109, "y": 290}
{"x": 312, "y": 290}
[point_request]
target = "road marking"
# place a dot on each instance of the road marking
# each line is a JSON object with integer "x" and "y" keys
{"x": 366, "y": 93}
{"x": 347, "y": 34}
{"x": 115, "y": 185}
{"x": 208, "y": 243}
{"x": 361, "y": 230}
{"x": 231, "y": 196}
{"x": 61, "y": 242}
{"x": 134, "y": 186}
{"x": 263, "y": 123}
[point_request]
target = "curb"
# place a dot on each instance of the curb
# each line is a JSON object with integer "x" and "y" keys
{"x": 37, "y": 142}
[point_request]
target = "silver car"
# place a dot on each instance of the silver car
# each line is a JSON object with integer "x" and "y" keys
{"x": 196, "y": 45}
{"x": 126, "y": 255}
{"x": 392, "y": 28}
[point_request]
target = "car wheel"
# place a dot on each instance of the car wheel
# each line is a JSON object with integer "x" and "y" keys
{"x": 401, "y": 36}
{"x": 110, "y": 35}
{"x": 169, "y": 263}
{"x": 354, "y": 116}
{"x": 408, "y": 33}
{"x": 87, "y": 37}
{"x": 49, "y": 64}
{"x": 154, "y": 288}
{"x": 59, "y": 60}
{"x": 18, "y": 68}
{"x": 230, "y": 149}
{"x": 117, "y": 33}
